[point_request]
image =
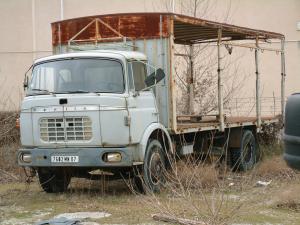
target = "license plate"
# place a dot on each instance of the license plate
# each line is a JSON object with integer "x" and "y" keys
{"x": 64, "y": 159}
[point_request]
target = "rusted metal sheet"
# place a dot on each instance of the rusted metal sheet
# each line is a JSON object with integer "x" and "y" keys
{"x": 186, "y": 30}
{"x": 135, "y": 26}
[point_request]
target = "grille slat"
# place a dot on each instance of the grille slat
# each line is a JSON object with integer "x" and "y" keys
{"x": 66, "y": 129}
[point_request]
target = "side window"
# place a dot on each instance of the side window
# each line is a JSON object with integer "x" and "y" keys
{"x": 130, "y": 78}
{"x": 139, "y": 75}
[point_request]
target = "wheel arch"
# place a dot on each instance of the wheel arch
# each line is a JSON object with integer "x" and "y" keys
{"x": 156, "y": 131}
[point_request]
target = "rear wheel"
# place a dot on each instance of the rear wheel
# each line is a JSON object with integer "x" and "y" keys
{"x": 245, "y": 157}
{"x": 53, "y": 181}
{"x": 151, "y": 177}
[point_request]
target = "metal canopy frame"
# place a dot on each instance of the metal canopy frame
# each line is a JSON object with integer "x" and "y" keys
{"x": 191, "y": 31}
{"x": 98, "y": 38}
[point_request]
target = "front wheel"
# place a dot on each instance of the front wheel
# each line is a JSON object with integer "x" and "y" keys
{"x": 151, "y": 177}
{"x": 53, "y": 181}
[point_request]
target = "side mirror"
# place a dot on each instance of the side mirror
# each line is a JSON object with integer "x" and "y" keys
{"x": 26, "y": 78}
{"x": 154, "y": 77}
{"x": 25, "y": 83}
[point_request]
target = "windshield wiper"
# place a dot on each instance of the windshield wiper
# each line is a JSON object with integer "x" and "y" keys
{"x": 77, "y": 91}
{"x": 42, "y": 90}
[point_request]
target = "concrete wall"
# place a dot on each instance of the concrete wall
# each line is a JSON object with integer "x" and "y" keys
{"x": 26, "y": 34}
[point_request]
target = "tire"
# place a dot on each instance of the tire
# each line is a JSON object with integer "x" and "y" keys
{"x": 245, "y": 157}
{"x": 152, "y": 177}
{"x": 53, "y": 181}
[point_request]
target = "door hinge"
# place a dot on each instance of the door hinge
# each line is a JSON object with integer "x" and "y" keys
{"x": 127, "y": 121}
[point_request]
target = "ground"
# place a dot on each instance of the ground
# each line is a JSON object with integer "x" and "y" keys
{"x": 239, "y": 200}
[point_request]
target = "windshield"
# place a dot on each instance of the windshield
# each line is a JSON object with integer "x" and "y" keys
{"x": 77, "y": 76}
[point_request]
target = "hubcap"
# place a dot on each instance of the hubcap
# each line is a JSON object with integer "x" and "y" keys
{"x": 155, "y": 168}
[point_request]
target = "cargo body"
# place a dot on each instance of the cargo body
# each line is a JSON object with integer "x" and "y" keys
{"x": 106, "y": 100}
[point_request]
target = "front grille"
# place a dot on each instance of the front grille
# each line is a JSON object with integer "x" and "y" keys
{"x": 66, "y": 129}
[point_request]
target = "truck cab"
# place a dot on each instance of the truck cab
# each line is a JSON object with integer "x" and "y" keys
{"x": 85, "y": 111}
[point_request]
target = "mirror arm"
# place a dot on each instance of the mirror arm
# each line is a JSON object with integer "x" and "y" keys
{"x": 136, "y": 93}
{"x": 147, "y": 88}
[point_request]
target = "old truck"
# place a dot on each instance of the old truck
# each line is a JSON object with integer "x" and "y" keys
{"x": 106, "y": 100}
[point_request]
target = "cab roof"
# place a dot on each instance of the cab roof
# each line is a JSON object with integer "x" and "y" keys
{"x": 115, "y": 54}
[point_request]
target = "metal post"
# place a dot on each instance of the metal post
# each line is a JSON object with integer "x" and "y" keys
{"x": 191, "y": 81}
{"x": 220, "y": 84}
{"x": 61, "y": 9}
{"x": 59, "y": 38}
{"x": 282, "y": 77}
{"x": 173, "y": 6}
{"x": 33, "y": 30}
{"x": 172, "y": 82}
{"x": 258, "y": 111}
{"x": 97, "y": 32}
{"x": 274, "y": 104}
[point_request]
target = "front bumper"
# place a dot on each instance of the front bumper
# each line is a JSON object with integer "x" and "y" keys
{"x": 88, "y": 157}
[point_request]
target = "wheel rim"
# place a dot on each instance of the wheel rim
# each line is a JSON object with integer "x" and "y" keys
{"x": 155, "y": 168}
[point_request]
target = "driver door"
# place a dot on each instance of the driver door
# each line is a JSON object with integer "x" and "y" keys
{"x": 141, "y": 104}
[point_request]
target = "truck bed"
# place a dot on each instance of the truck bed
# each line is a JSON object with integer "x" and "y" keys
{"x": 186, "y": 124}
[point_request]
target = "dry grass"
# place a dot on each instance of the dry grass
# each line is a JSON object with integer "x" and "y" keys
{"x": 193, "y": 175}
{"x": 8, "y": 131}
{"x": 214, "y": 195}
{"x": 199, "y": 193}
{"x": 289, "y": 198}
{"x": 9, "y": 144}
{"x": 9, "y": 169}
{"x": 275, "y": 168}
{"x": 194, "y": 191}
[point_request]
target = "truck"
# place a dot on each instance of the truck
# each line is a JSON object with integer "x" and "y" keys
{"x": 106, "y": 100}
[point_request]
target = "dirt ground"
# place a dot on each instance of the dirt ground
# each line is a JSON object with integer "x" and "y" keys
{"x": 242, "y": 202}
{"x": 267, "y": 195}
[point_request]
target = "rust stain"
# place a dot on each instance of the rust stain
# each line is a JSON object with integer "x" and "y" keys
{"x": 147, "y": 25}
{"x": 135, "y": 26}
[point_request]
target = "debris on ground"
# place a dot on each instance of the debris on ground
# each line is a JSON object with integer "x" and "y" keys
{"x": 174, "y": 220}
{"x": 84, "y": 215}
{"x": 74, "y": 218}
{"x": 59, "y": 221}
{"x": 263, "y": 183}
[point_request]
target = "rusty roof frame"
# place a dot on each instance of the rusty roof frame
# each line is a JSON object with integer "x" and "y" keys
{"x": 186, "y": 29}
{"x": 191, "y": 30}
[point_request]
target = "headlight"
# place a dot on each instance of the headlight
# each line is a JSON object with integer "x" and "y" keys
{"x": 25, "y": 157}
{"x": 112, "y": 157}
